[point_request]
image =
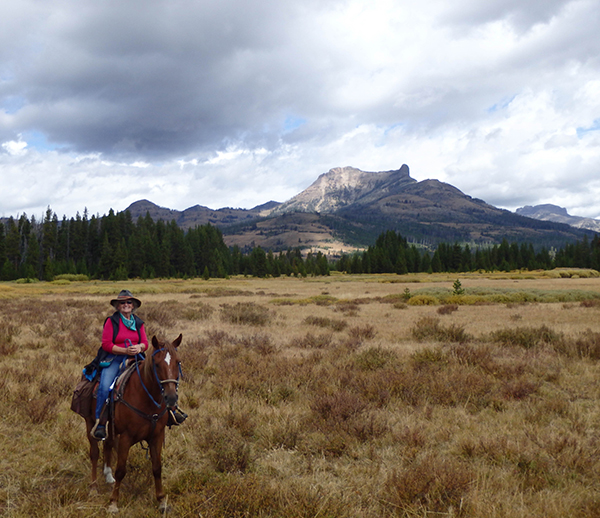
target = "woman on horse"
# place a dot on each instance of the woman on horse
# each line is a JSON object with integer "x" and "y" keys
{"x": 123, "y": 336}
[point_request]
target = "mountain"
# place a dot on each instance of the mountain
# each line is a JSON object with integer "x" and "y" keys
{"x": 344, "y": 186}
{"x": 347, "y": 208}
{"x": 199, "y": 215}
{"x": 549, "y": 212}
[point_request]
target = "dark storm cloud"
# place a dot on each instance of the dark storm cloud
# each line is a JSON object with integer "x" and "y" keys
{"x": 158, "y": 78}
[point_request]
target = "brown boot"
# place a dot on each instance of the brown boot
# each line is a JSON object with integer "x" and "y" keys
{"x": 98, "y": 432}
{"x": 176, "y": 417}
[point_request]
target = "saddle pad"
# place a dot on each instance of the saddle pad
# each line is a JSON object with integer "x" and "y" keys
{"x": 122, "y": 379}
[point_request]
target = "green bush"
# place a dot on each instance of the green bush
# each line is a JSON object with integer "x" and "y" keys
{"x": 72, "y": 277}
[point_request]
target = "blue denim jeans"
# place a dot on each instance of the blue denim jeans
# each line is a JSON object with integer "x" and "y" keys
{"x": 107, "y": 376}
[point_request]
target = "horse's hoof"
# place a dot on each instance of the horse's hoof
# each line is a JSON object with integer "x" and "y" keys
{"x": 164, "y": 508}
{"x": 93, "y": 491}
{"x": 113, "y": 508}
{"x": 108, "y": 476}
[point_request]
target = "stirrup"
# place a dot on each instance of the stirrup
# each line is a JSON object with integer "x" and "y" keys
{"x": 180, "y": 416}
{"x": 98, "y": 432}
{"x": 176, "y": 417}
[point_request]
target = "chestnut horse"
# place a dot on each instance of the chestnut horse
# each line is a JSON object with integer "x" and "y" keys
{"x": 140, "y": 414}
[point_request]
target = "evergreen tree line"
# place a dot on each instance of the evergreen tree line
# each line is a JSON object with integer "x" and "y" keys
{"x": 393, "y": 254}
{"x": 115, "y": 247}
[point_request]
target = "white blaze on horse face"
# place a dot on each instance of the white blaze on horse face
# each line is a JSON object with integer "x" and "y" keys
{"x": 168, "y": 358}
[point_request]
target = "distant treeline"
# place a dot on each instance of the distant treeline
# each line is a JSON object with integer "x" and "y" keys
{"x": 114, "y": 247}
{"x": 393, "y": 254}
{"x": 117, "y": 248}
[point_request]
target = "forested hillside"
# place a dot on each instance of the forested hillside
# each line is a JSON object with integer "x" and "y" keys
{"x": 115, "y": 247}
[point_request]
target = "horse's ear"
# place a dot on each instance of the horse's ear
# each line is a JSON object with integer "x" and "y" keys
{"x": 177, "y": 341}
{"x": 155, "y": 343}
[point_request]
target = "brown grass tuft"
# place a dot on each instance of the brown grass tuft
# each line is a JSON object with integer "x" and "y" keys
{"x": 245, "y": 313}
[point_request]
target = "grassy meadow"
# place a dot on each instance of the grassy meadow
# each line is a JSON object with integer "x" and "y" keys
{"x": 344, "y": 396}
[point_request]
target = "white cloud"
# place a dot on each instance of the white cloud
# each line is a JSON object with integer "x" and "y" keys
{"x": 15, "y": 147}
{"x": 238, "y": 103}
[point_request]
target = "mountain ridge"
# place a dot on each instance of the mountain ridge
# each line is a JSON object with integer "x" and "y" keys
{"x": 347, "y": 208}
{"x": 550, "y": 212}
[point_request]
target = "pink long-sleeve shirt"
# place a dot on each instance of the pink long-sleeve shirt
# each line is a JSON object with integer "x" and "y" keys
{"x": 123, "y": 335}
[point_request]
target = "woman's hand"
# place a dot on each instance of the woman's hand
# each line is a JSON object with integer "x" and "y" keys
{"x": 132, "y": 350}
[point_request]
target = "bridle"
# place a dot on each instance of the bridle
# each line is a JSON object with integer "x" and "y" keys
{"x": 161, "y": 383}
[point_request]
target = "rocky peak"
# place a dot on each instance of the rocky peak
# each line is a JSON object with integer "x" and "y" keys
{"x": 342, "y": 186}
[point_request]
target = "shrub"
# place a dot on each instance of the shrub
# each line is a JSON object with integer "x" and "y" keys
{"x": 366, "y": 332}
{"x": 311, "y": 341}
{"x": 245, "y": 313}
{"x": 527, "y": 337}
{"x": 374, "y": 358}
{"x": 430, "y": 485}
{"x": 429, "y": 328}
{"x": 423, "y": 300}
{"x": 261, "y": 343}
{"x": 587, "y": 345}
{"x": 72, "y": 277}
{"x": 478, "y": 356}
{"x": 338, "y": 407}
{"x": 162, "y": 314}
{"x": 323, "y": 300}
{"x": 198, "y": 312}
{"x": 7, "y": 332}
{"x": 426, "y": 328}
{"x": 519, "y": 388}
{"x": 428, "y": 356}
{"x": 590, "y": 303}
{"x": 336, "y": 325}
{"x": 447, "y": 309}
{"x": 349, "y": 308}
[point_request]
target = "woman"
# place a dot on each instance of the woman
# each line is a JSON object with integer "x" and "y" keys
{"x": 123, "y": 336}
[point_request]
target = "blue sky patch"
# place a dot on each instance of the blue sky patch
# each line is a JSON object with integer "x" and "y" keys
{"x": 37, "y": 139}
{"x": 594, "y": 127}
{"x": 292, "y": 123}
{"x": 501, "y": 105}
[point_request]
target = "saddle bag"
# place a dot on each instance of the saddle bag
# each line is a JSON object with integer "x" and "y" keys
{"x": 81, "y": 402}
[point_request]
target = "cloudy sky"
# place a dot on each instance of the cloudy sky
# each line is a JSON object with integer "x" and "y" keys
{"x": 238, "y": 102}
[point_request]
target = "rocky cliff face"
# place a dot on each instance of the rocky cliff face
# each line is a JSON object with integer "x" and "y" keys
{"x": 343, "y": 186}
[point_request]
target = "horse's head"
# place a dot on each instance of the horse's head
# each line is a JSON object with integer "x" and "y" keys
{"x": 167, "y": 368}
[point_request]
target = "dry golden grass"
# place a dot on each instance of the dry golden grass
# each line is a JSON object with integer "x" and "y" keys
{"x": 323, "y": 397}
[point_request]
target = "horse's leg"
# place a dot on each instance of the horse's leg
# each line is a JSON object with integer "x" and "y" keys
{"x": 156, "y": 444}
{"x": 94, "y": 455}
{"x": 123, "y": 446}
{"x": 108, "y": 450}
